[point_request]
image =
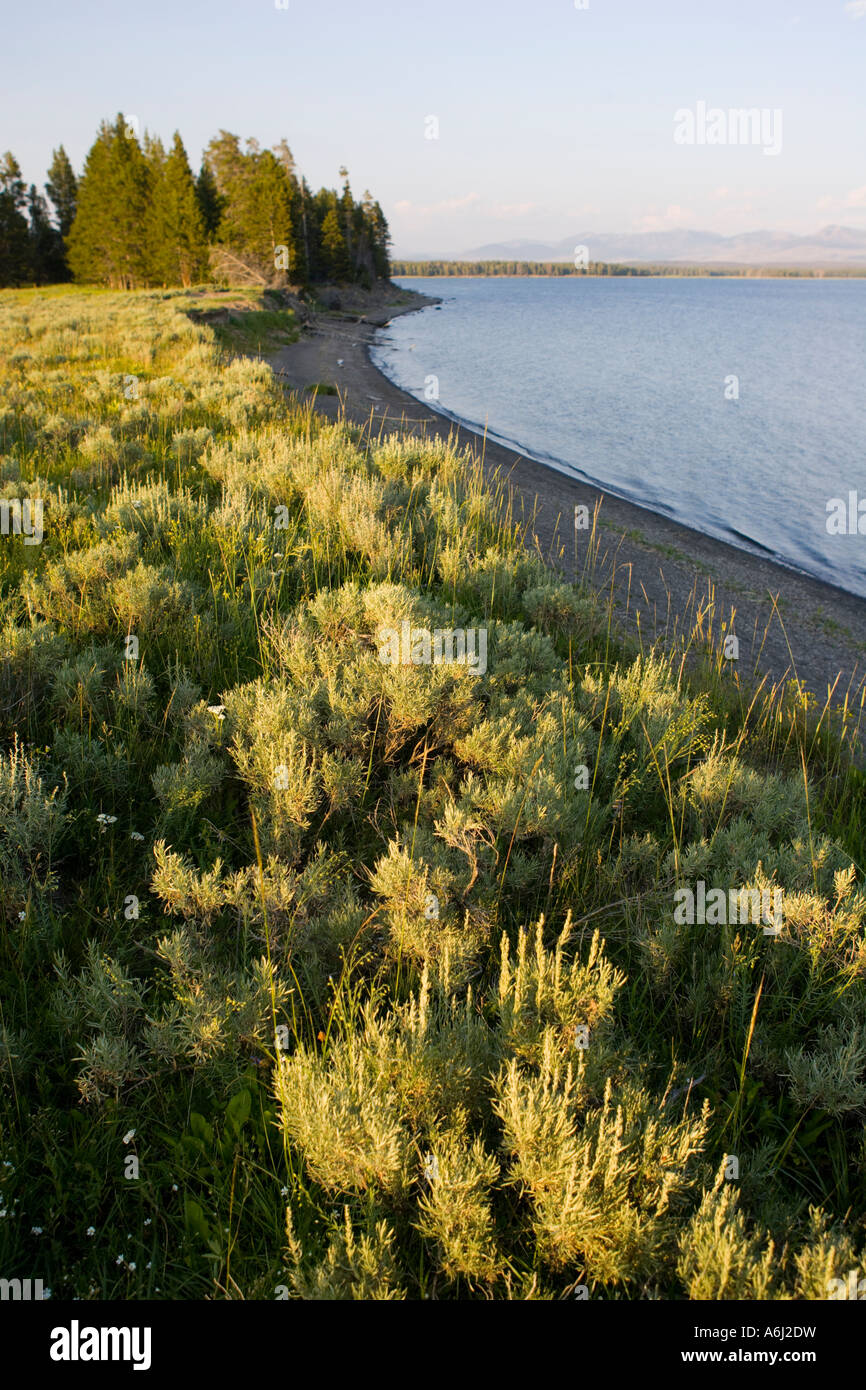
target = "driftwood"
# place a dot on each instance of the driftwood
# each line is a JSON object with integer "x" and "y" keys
{"x": 244, "y": 270}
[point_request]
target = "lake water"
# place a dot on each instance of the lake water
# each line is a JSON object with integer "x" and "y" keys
{"x": 624, "y": 382}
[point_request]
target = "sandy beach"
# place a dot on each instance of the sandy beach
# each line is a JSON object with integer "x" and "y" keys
{"x": 665, "y": 577}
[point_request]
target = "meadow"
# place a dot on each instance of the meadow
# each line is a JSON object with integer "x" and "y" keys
{"x": 324, "y": 976}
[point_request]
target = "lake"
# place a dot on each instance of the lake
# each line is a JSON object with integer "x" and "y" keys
{"x": 734, "y": 406}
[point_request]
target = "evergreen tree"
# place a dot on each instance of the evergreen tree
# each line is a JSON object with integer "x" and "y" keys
{"x": 225, "y": 161}
{"x": 347, "y": 212}
{"x": 305, "y": 216}
{"x": 298, "y": 252}
{"x": 270, "y": 212}
{"x": 256, "y": 190}
{"x": 365, "y": 235}
{"x": 156, "y": 230}
{"x": 285, "y": 157}
{"x": 47, "y": 260}
{"x": 154, "y": 153}
{"x": 15, "y": 251}
{"x": 138, "y": 216}
{"x": 209, "y": 201}
{"x": 61, "y": 186}
{"x": 381, "y": 238}
{"x": 177, "y": 247}
{"x": 108, "y": 241}
{"x": 334, "y": 251}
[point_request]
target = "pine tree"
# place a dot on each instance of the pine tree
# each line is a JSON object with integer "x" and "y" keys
{"x": 365, "y": 239}
{"x": 381, "y": 242}
{"x": 209, "y": 201}
{"x": 156, "y": 229}
{"x": 270, "y": 212}
{"x": 47, "y": 261}
{"x": 228, "y": 169}
{"x": 191, "y": 239}
{"x": 226, "y": 163}
{"x": 177, "y": 248}
{"x": 298, "y": 251}
{"x": 309, "y": 231}
{"x": 286, "y": 159}
{"x": 257, "y": 215}
{"x": 15, "y": 261}
{"x": 299, "y": 263}
{"x": 138, "y": 216}
{"x": 347, "y": 211}
{"x": 61, "y": 186}
{"x": 334, "y": 251}
{"x": 108, "y": 240}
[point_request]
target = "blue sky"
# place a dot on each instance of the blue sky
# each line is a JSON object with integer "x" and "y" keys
{"x": 551, "y": 119}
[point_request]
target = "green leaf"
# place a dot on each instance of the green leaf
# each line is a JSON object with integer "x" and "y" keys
{"x": 238, "y": 1110}
{"x": 200, "y": 1128}
{"x": 195, "y": 1219}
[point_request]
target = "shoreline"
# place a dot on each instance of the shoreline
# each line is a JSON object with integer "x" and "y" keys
{"x": 553, "y": 465}
{"x": 665, "y": 577}
{"x": 650, "y": 275}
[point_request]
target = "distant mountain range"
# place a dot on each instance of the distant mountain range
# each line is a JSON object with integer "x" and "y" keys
{"x": 830, "y": 246}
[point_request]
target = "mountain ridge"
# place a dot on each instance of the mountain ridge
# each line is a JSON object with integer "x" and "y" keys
{"x": 833, "y": 244}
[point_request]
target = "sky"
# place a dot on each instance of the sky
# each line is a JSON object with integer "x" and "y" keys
{"x": 475, "y": 121}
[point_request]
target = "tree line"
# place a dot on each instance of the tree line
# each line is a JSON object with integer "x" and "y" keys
{"x": 138, "y": 216}
{"x": 458, "y": 268}
{"x": 529, "y": 268}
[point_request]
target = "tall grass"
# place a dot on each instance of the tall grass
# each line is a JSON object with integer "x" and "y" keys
{"x": 373, "y": 970}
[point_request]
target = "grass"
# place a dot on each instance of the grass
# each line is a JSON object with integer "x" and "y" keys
{"x": 330, "y": 978}
{"x": 258, "y": 330}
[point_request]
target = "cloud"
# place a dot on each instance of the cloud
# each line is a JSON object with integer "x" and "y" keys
{"x": 856, "y": 9}
{"x": 855, "y": 199}
{"x": 673, "y": 216}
